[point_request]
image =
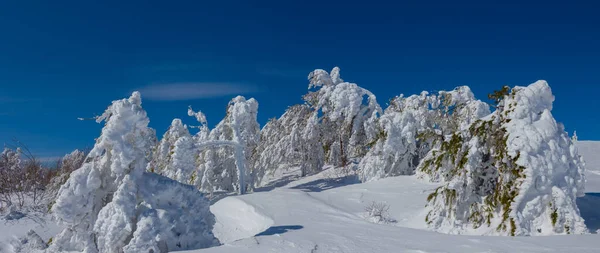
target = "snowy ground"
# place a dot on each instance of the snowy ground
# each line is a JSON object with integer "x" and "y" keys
{"x": 326, "y": 214}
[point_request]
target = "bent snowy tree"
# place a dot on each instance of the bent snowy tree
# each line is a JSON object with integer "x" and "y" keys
{"x": 111, "y": 204}
{"x": 514, "y": 172}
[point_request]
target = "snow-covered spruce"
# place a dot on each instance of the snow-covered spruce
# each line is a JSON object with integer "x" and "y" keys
{"x": 225, "y": 154}
{"x": 410, "y": 126}
{"x": 111, "y": 205}
{"x": 514, "y": 172}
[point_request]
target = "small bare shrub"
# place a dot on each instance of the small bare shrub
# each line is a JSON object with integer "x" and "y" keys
{"x": 377, "y": 212}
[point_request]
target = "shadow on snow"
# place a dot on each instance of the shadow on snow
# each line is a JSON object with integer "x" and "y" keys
{"x": 277, "y": 183}
{"x": 275, "y": 230}
{"x": 327, "y": 183}
{"x": 590, "y": 211}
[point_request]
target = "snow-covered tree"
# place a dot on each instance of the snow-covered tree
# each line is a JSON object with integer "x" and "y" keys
{"x": 283, "y": 144}
{"x": 67, "y": 164}
{"x": 163, "y": 153}
{"x": 203, "y": 132}
{"x": 183, "y": 161}
{"x": 343, "y": 113}
{"x": 514, "y": 172}
{"x": 11, "y": 178}
{"x": 411, "y": 126}
{"x": 224, "y": 161}
{"x": 111, "y": 205}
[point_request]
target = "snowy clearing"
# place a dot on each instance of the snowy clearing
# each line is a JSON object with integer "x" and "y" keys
{"x": 325, "y": 214}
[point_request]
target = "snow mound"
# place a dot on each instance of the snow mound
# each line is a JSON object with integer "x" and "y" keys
{"x": 236, "y": 219}
{"x": 29, "y": 243}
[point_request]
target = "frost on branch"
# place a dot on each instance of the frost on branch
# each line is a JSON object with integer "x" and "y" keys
{"x": 105, "y": 203}
{"x": 411, "y": 126}
{"x": 515, "y": 172}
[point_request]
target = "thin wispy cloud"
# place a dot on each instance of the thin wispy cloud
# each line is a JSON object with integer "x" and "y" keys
{"x": 198, "y": 90}
{"x": 7, "y": 100}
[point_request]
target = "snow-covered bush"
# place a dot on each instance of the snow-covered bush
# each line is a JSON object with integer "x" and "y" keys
{"x": 29, "y": 243}
{"x": 10, "y": 178}
{"x": 111, "y": 205}
{"x": 23, "y": 179}
{"x": 378, "y": 212}
{"x": 514, "y": 172}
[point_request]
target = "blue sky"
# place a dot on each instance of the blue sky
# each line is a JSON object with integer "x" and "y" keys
{"x": 60, "y": 61}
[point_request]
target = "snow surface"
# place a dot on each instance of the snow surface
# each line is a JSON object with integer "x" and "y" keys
{"x": 320, "y": 214}
{"x": 325, "y": 214}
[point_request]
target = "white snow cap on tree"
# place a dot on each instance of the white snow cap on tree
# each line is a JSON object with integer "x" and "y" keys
{"x": 105, "y": 202}
{"x": 320, "y": 78}
{"x": 515, "y": 172}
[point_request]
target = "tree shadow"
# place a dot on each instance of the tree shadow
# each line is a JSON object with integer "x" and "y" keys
{"x": 218, "y": 195}
{"x": 277, "y": 183}
{"x": 589, "y": 210}
{"x": 324, "y": 184}
{"x": 275, "y": 230}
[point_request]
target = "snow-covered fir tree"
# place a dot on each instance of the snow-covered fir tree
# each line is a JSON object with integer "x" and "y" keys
{"x": 514, "y": 172}
{"x": 111, "y": 204}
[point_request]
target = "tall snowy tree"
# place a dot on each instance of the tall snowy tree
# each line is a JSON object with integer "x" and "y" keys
{"x": 111, "y": 205}
{"x": 284, "y": 145}
{"x": 224, "y": 162}
{"x": 514, "y": 172}
{"x": 343, "y": 116}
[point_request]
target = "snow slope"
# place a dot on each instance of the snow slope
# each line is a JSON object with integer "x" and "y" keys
{"x": 322, "y": 213}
